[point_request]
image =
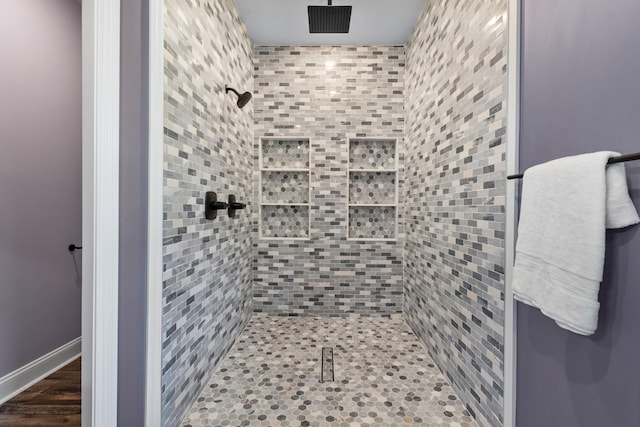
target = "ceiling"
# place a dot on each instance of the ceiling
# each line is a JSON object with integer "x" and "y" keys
{"x": 285, "y": 22}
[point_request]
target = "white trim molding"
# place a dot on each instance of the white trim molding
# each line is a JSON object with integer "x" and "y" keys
{"x": 513, "y": 143}
{"x": 153, "y": 377}
{"x": 21, "y": 379}
{"x": 100, "y": 210}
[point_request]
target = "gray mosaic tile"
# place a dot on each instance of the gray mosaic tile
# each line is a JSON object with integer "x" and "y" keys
{"x": 455, "y": 195}
{"x": 285, "y": 187}
{"x": 372, "y": 188}
{"x": 207, "y": 147}
{"x": 383, "y": 377}
{"x": 283, "y": 154}
{"x": 298, "y": 96}
{"x": 285, "y": 221}
{"x": 372, "y": 222}
{"x": 367, "y": 154}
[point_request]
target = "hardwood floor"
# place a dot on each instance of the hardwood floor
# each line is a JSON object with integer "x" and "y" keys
{"x": 53, "y": 402}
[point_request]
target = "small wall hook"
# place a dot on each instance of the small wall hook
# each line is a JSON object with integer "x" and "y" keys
{"x": 73, "y": 247}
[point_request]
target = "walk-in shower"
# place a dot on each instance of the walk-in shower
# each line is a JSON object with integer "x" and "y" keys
{"x": 374, "y": 180}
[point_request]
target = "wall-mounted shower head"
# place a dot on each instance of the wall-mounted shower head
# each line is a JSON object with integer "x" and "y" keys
{"x": 329, "y": 19}
{"x": 242, "y": 98}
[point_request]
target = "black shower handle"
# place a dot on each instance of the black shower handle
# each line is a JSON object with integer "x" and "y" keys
{"x": 212, "y": 205}
{"x": 234, "y": 205}
{"x": 218, "y": 206}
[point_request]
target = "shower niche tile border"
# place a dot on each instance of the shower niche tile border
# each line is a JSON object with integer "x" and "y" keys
{"x": 373, "y": 189}
{"x": 284, "y": 188}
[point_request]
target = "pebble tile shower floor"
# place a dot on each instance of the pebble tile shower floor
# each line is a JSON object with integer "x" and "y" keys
{"x": 383, "y": 377}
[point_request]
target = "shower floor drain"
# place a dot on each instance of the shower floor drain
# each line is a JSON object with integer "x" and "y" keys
{"x": 326, "y": 372}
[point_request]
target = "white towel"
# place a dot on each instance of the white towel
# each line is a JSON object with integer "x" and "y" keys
{"x": 566, "y": 204}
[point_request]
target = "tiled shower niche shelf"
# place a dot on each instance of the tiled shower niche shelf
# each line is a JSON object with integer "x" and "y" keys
{"x": 373, "y": 189}
{"x": 372, "y": 154}
{"x": 284, "y": 153}
{"x": 284, "y": 188}
{"x": 372, "y": 222}
{"x": 284, "y": 221}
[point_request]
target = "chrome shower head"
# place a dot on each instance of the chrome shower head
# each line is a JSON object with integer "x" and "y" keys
{"x": 242, "y": 98}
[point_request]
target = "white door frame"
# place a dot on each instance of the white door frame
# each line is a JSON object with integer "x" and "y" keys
{"x": 153, "y": 377}
{"x": 513, "y": 144}
{"x": 100, "y": 210}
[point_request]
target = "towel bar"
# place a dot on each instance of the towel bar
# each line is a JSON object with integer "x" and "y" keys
{"x": 619, "y": 159}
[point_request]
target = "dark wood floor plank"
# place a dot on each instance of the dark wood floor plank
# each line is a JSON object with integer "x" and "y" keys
{"x": 40, "y": 421}
{"x": 53, "y": 402}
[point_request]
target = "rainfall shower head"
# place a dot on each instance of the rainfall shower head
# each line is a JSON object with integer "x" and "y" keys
{"x": 242, "y": 99}
{"x": 329, "y": 19}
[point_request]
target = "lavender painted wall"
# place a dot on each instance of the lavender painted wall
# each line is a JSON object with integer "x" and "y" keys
{"x": 134, "y": 59}
{"x": 40, "y": 178}
{"x": 580, "y": 93}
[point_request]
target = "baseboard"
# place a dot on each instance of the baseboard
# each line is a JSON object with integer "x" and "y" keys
{"x": 19, "y": 380}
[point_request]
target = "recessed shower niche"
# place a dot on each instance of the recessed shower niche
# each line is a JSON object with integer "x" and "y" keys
{"x": 284, "y": 188}
{"x": 373, "y": 189}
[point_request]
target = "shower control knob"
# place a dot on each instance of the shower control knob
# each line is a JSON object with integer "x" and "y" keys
{"x": 212, "y": 205}
{"x": 219, "y": 206}
{"x": 234, "y": 205}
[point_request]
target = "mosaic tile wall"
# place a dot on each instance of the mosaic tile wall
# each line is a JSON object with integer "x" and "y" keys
{"x": 455, "y": 195}
{"x": 329, "y": 95}
{"x": 207, "y": 147}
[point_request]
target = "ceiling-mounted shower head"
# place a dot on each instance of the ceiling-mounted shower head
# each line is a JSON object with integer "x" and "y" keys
{"x": 329, "y": 19}
{"x": 242, "y": 98}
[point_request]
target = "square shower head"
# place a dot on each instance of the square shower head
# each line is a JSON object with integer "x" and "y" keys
{"x": 329, "y": 19}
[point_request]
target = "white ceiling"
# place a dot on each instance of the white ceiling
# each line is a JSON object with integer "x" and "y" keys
{"x": 285, "y": 22}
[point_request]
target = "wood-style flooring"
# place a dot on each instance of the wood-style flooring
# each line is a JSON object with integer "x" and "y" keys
{"x": 53, "y": 402}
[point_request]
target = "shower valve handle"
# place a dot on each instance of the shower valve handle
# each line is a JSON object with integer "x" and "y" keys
{"x": 218, "y": 206}
{"x": 234, "y": 205}
{"x": 212, "y": 205}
